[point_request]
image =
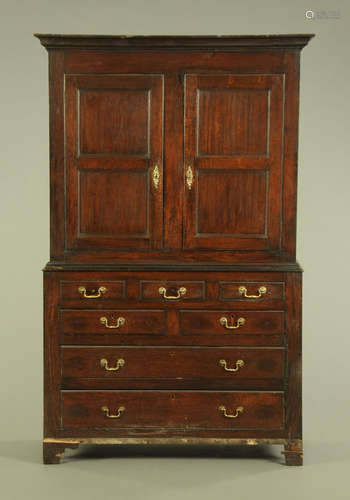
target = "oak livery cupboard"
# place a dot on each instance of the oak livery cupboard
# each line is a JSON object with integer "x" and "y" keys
{"x": 172, "y": 294}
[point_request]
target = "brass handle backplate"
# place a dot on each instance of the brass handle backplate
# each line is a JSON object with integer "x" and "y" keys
{"x": 100, "y": 292}
{"x": 120, "y": 322}
{"x": 189, "y": 177}
{"x": 238, "y": 410}
{"x": 239, "y": 322}
{"x": 239, "y": 364}
{"x": 119, "y": 364}
{"x": 181, "y": 291}
{"x": 107, "y": 413}
{"x": 156, "y": 176}
{"x": 261, "y": 291}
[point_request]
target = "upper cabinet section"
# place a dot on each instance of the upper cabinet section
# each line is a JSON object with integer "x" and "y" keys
{"x": 173, "y": 148}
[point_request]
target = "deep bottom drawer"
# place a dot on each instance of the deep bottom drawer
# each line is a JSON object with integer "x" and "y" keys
{"x": 175, "y": 409}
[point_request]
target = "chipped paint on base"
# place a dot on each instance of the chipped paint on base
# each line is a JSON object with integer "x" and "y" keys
{"x": 167, "y": 441}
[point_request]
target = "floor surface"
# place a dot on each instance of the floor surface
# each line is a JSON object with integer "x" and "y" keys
{"x": 135, "y": 472}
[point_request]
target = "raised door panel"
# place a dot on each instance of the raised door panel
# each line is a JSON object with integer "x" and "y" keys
{"x": 122, "y": 118}
{"x": 114, "y": 194}
{"x": 233, "y": 161}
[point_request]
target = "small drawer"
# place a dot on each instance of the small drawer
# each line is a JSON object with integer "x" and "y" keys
{"x": 229, "y": 323}
{"x": 171, "y": 363}
{"x": 250, "y": 291}
{"x": 175, "y": 409}
{"x": 90, "y": 293}
{"x": 172, "y": 291}
{"x": 113, "y": 322}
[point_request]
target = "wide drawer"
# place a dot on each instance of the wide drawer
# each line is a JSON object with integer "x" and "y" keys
{"x": 175, "y": 409}
{"x": 228, "y": 322}
{"x": 176, "y": 363}
{"x": 110, "y": 322}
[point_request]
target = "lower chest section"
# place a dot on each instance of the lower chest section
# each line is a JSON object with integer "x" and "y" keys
{"x": 158, "y": 352}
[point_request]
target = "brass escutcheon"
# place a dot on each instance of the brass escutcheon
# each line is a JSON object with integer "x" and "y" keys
{"x": 156, "y": 176}
{"x": 189, "y": 177}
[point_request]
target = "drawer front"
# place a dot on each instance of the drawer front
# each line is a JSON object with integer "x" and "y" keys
{"x": 174, "y": 363}
{"x": 172, "y": 291}
{"x": 175, "y": 409}
{"x": 89, "y": 293}
{"x": 113, "y": 322}
{"x": 249, "y": 291}
{"x": 229, "y": 323}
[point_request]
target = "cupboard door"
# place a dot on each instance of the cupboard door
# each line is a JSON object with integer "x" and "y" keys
{"x": 233, "y": 161}
{"x": 114, "y": 193}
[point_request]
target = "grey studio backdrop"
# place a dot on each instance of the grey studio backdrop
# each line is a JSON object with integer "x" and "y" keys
{"x": 323, "y": 251}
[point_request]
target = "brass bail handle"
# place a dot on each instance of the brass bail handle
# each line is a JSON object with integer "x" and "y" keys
{"x": 120, "y": 322}
{"x": 236, "y": 413}
{"x": 239, "y": 364}
{"x": 108, "y": 414}
{"x": 261, "y": 291}
{"x": 93, "y": 295}
{"x": 180, "y": 292}
{"x": 239, "y": 322}
{"x": 119, "y": 364}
